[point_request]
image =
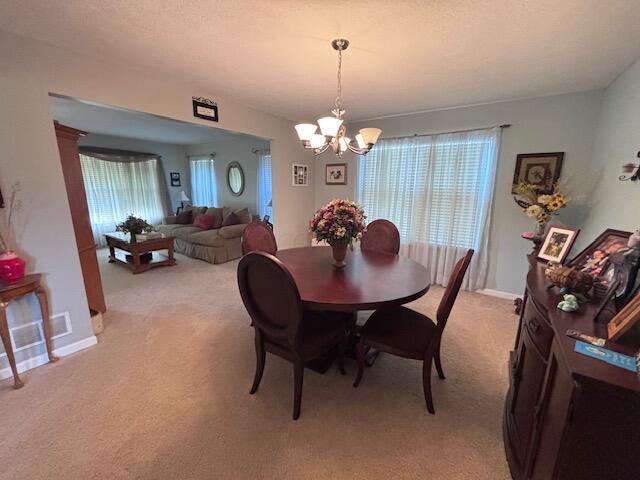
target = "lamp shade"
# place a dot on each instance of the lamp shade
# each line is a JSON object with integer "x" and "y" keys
{"x": 360, "y": 140}
{"x": 329, "y": 126}
{"x": 370, "y": 135}
{"x": 183, "y": 197}
{"x": 305, "y": 130}
{"x": 317, "y": 141}
{"x": 344, "y": 142}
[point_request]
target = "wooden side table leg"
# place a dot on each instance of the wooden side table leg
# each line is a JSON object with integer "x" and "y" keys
{"x": 170, "y": 252}
{"x": 46, "y": 322}
{"x": 6, "y": 341}
{"x": 136, "y": 261}
{"x": 112, "y": 254}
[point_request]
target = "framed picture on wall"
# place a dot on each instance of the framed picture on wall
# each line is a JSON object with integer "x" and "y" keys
{"x": 541, "y": 169}
{"x": 299, "y": 175}
{"x": 335, "y": 174}
{"x": 557, "y": 243}
{"x": 175, "y": 179}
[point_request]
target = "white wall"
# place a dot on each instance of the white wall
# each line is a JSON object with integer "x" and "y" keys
{"x": 617, "y": 141}
{"x": 173, "y": 158}
{"x": 29, "y": 71}
{"x": 234, "y": 150}
{"x": 563, "y": 123}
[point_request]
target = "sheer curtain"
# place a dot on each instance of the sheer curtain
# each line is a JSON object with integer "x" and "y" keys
{"x": 204, "y": 191}
{"x": 120, "y": 185}
{"x": 263, "y": 190}
{"x": 438, "y": 190}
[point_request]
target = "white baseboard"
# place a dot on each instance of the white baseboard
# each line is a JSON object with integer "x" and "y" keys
{"x": 499, "y": 294}
{"x": 43, "y": 358}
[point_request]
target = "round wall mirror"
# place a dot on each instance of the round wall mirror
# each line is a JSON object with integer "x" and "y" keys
{"x": 235, "y": 179}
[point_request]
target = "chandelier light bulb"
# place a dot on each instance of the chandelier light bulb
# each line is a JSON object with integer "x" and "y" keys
{"x": 306, "y": 131}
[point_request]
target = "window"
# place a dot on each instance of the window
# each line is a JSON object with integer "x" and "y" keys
{"x": 438, "y": 191}
{"x": 204, "y": 191}
{"x": 264, "y": 189}
{"x": 116, "y": 189}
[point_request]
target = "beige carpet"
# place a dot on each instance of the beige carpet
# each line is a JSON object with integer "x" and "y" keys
{"x": 164, "y": 395}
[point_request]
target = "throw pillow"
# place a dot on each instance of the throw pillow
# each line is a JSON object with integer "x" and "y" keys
{"x": 185, "y": 217}
{"x": 216, "y": 213}
{"x": 205, "y": 222}
{"x": 244, "y": 216}
{"x": 232, "y": 219}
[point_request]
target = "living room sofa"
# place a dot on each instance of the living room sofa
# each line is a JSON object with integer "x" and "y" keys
{"x": 215, "y": 245}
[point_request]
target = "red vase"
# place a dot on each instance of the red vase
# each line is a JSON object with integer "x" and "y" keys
{"x": 11, "y": 267}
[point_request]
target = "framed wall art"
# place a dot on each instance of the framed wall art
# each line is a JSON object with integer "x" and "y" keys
{"x": 299, "y": 175}
{"x": 541, "y": 169}
{"x": 335, "y": 174}
{"x": 175, "y": 179}
{"x": 558, "y": 243}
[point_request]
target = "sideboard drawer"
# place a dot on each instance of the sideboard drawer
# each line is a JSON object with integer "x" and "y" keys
{"x": 537, "y": 325}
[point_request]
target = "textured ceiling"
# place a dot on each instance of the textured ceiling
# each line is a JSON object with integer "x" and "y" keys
{"x": 404, "y": 56}
{"x": 128, "y": 124}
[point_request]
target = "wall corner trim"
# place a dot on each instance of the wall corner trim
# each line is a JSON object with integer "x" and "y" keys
{"x": 42, "y": 359}
{"x": 498, "y": 294}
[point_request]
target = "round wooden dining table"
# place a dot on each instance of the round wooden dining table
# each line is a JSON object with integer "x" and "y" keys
{"x": 370, "y": 280}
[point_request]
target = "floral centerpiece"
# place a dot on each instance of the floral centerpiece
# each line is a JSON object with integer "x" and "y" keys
{"x": 134, "y": 226}
{"x": 338, "y": 223}
{"x": 539, "y": 207}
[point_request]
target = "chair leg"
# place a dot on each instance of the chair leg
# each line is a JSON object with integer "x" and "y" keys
{"x": 360, "y": 359}
{"x": 341, "y": 350}
{"x": 439, "y": 364}
{"x": 298, "y": 375}
{"x": 260, "y": 357}
{"x": 426, "y": 383}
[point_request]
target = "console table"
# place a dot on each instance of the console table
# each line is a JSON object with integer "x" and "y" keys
{"x": 8, "y": 292}
{"x": 567, "y": 416}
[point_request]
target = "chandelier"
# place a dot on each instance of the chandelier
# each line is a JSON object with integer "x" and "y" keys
{"x": 332, "y": 131}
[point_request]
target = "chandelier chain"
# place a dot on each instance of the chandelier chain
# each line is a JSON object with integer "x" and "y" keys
{"x": 338, "y": 103}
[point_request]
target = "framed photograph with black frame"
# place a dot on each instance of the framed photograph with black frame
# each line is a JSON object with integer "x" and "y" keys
{"x": 557, "y": 243}
{"x": 594, "y": 259}
{"x": 205, "y": 108}
{"x": 540, "y": 169}
{"x": 175, "y": 179}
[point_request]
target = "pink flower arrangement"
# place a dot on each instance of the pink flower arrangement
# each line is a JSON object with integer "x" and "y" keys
{"x": 339, "y": 222}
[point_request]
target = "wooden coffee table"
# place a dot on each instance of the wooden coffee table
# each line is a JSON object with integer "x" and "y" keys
{"x": 137, "y": 251}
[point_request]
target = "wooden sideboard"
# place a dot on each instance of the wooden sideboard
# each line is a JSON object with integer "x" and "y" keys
{"x": 567, "y": 415}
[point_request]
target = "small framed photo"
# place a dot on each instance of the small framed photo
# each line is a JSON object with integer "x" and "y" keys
{"x": 624, "y": 319}
{"x": 299, "y": 175}
{"x": 175, "y": 179}
{"x": 558, "y": 243}
{"x": 594, "y": 259}
{"x": 541, "y": 169}
{"x": 335, "y": 174}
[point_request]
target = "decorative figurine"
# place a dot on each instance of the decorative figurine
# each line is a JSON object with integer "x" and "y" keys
{"x": 634, "y": 239}
{"x": 569, "y": 304}
{"x": 568, "y": 279}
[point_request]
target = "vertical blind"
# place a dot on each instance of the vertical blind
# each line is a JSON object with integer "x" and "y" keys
{"x": 438, "y": 191}
{"x": 204, "y": 191}
{"x": 116, "y": 189}
{"x": 264, "y": 188}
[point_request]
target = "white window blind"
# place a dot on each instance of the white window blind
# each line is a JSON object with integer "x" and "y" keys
{"x": 117, "y": 189}
{"x": 438, "y": 191}
{"x": 264, "y": 188}
{"x": 204, "y": 191}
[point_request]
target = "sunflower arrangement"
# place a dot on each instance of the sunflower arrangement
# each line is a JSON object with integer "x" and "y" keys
{"x": 539, "y": 207}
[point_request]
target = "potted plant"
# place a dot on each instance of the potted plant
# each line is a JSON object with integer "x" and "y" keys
{"x": 11, "y": 265}
{"x": 338, "y": 223}
{"x": 134, "y": 226}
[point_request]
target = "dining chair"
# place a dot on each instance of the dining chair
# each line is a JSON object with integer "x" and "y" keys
{"x": 282, "y": 326}
{"x": 258, "y": 237}
{"x": 409, "y": 334}
{"x": 381, "y": 236}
